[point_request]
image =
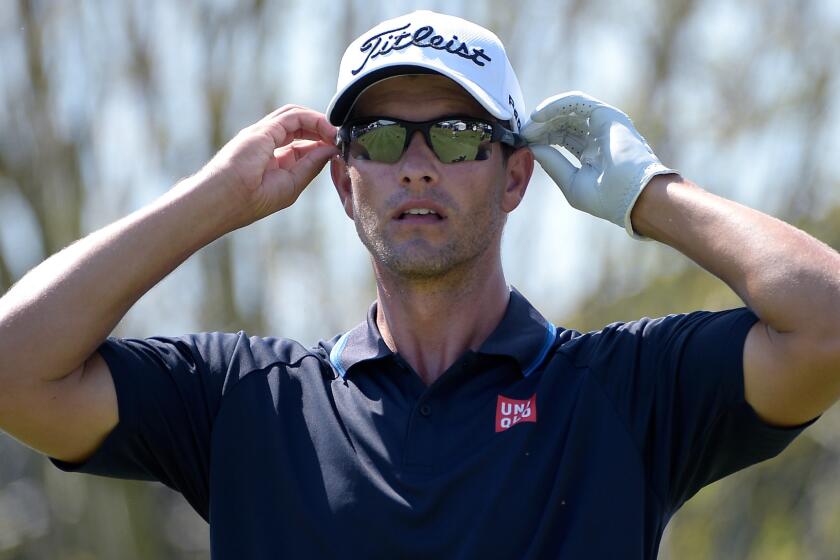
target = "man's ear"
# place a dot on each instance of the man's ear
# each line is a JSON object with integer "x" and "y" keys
{"x": 343, "y": 186}
{"x": 518, "y": 171}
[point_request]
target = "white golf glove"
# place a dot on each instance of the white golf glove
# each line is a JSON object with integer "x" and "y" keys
{"x": 616, "y": 162}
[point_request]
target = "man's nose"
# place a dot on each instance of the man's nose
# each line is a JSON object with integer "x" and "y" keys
{"x": 419, "y": 164}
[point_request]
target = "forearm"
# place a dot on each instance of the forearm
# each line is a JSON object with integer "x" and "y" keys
{"x": 791, "y": 358}
{"x": 56, "y": 395}
{"x": 58, "y": 314}
{"x": 788, "y": 278}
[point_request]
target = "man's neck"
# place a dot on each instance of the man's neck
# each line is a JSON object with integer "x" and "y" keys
{"x": 431, "y": 323}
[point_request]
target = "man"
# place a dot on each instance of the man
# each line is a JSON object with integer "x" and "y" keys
{"x": 455, "y": 421}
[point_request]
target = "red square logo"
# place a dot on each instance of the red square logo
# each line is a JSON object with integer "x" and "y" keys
{"x": 510, "y": 412}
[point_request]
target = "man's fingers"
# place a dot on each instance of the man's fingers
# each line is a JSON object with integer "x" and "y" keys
{"x": 567, "y": 104}
{"x": 293, "y": 123}
{"x": 298, "y": 164}
{"x": 313, "y": 159}
{"x": 576, "y": 183}
{"x": 583, "y": 194}
{"x": 535, "y": 132}
{"x": 280, "y": 110}
{"x": 603, "y": 117}
{"x": 562, "y": 120}
{"x": 560, "y": 169}
{"x": 289, "y": 155}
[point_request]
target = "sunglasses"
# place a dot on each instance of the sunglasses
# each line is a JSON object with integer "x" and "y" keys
{"x": 452, "y": 139}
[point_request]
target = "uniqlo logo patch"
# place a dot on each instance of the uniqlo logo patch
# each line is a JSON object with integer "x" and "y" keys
{"x": 510, "y": 412}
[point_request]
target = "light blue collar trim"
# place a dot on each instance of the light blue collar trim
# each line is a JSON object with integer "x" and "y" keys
{"x": 335, "y": 354}
{"x": 551, "y": 333}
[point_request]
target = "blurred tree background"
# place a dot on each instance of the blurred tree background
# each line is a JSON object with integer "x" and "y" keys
{"x": 104, "y": 105}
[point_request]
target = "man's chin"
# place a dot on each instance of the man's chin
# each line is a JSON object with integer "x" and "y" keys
{"x": 417, "y": 269}
{"x": 417, "y": 259}
{"x": 416, "y": 264}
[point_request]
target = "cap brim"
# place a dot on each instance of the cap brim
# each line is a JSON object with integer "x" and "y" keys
{"x": 343, "y": 101}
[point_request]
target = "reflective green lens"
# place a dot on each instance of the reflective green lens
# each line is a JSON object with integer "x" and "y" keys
{"x": 379, "y": 142}
{"x": 454, "y": 141}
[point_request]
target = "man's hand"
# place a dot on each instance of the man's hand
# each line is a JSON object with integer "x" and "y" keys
{"x": 616, "y": 162}
{"x": 266, "y": 166}
{"x": 64, "y": 403}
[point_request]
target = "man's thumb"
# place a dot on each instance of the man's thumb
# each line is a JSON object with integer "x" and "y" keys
{"x": 559, "y": 168}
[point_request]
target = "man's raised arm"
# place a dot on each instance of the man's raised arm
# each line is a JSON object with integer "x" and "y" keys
{"x": 786, "y": 277}
{"x": 56, "y": 392}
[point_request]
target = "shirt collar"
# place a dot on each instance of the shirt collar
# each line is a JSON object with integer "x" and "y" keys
{"x": 523, "y": 334}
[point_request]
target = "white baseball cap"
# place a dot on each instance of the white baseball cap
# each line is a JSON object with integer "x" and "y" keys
{"x": 425, "y": 42}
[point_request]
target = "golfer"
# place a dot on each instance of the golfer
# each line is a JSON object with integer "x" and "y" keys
{"x": 454, "y": 421}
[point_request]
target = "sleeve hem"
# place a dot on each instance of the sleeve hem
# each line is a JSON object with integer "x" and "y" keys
{"x": 108, "y": 351}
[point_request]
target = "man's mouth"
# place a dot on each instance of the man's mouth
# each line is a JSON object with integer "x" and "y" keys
{"x": 420, "y": 214}
{"x": 419, "y": 211}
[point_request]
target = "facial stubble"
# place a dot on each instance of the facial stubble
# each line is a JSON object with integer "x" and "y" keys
{"x": 418, "y": 258}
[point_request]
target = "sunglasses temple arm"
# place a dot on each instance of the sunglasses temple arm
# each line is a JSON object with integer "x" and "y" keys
{"x": 513, "y": 139}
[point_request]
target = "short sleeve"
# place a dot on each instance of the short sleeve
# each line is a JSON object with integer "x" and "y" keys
{"x": 168, "y": 393}
{"x": 678, "y": 382}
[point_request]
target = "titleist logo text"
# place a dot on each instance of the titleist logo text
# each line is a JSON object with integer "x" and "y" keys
{"x": 423, "y": 37}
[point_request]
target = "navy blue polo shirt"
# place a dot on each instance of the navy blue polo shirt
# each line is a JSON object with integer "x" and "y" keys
{"x": 543, "y": 443}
